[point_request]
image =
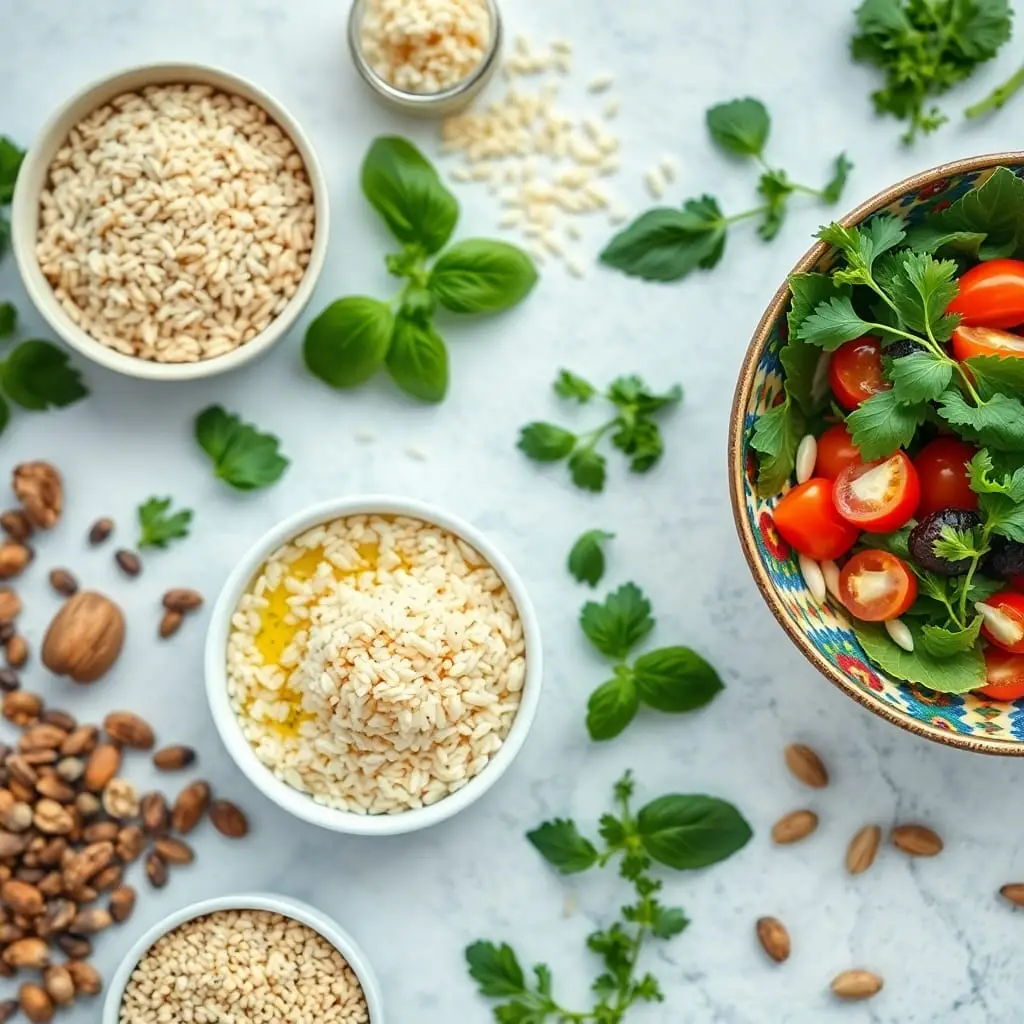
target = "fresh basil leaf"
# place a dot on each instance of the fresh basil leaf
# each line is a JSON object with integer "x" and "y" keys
{"x": 586, "y": 560}
{"x": 665, "y": 244}
{"x": 8, "y": 319}
{"x": 881, "y": 425}
{"x": 956, "y": 673}
{"x": 480, "y": 276}
{"x": 921, "y": 293}
{"x": 418, "y": 305}
{"x": 833, "y": 191}
{"x": 37, "y": 375}
{"x": 675, "y": 679}
{"x": 833, "y": 323}
{"x": 994, "y": 375}
{"x": 545, "y": 442}
{"x": 495, "y": 969}
{"x": 568, "y": 385}
{"x": 587, "y": 468}
{"x": 242, "y": 456}
{"x": 612, "y": 706}
{"x": 919, "y": 377}
{"x": 740, "y": 127}
{"x": 668, "y": 922}
{"x": 418, "y": 360}
{"x": 620, "y": 623}
{"x": 348, "y": 342}
{"x": 944, "y": 643}
{"x": 998, "y": 423}
{"x": 995, "y": 209}
{"x": 688, "y": 832}
{"x": 403, "y": 187}
{"x": 777, "y": 434}
{"x": 11, "y": 158}
{"x": 560, "y": 844}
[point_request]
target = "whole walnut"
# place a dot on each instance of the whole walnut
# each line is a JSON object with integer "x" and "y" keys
{"x": 85, "y": 637}
{"x": 40, "y": 489}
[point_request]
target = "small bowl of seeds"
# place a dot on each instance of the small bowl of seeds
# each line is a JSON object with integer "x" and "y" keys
{"x": 247, "y": 957}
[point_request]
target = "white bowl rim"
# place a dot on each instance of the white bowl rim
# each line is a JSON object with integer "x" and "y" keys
{"x": 284, "y": 905}
{"x": 25, "y": 217}
{"x": 300, "y": 804}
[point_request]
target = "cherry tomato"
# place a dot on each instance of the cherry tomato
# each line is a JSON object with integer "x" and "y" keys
{"x": 855, "y": 372}
{"x": 876, "y": 585}
{"x": 836, "y": 451}
{"x": 1003, "y": 621}
{"x": 991, "y": 295}
{"x": 942, "y": 469}
{"x": 1004, "y": 673}
{"x": 984, "y": 341}
{"x": 880, "y": 496}
{"x": 807, "y": 519}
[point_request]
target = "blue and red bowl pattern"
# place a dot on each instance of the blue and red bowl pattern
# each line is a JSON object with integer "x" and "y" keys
{"x": 825, "y": 629}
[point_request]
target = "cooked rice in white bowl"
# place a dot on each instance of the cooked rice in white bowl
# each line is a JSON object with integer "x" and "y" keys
{"x": 378, "y": 663}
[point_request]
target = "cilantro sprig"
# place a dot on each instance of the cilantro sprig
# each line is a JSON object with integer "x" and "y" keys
{"x": 633, "y": 429}
{"x": 158, "y": 526}
{"x": 241, "y": 455}
{"x": 667, "y": 244}
{"x": 670, "y": 679}
{"x": 680, "y": 832}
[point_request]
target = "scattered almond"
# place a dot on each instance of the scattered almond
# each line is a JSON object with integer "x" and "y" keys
{"x": 129, "y": 730}
{"x": 1014, "y": 892}
{"x": 173, "y": 759}
{"x": 156, "y": 870}
{"x": 916, "y": 840}
{"x": 103, "y": 764}
{"x": 22, "y": 708}
{"x": 860, "y": 854}
{"x": 122, "y": 903}
{"x": 155, "y": 814}
{"x": 806, "y": 765}
{"x": 63, "y": 582}
{"x": 128, "y": 562}
{"x": 10, "y": 605}
{"x": 854, "y": 985}
{"x": 35, "y": 1004}
{"x": 229, "y": 819}
{"x": 182, "y": 600}
{"x": 100, "y": 531}
{"x": 170, "y": 623}
{"x": 174, "y": 851}
{"x": 14, "y": 559}
{"x": 85, "y": 976}
{"x": 774, "y": 938}
{"x": 59, "y": 986}
{"x": 794, "y": 826}
{"x": 33, "y": 953}
{"x": 190, "y": 806}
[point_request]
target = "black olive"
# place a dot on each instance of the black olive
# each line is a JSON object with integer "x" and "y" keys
{"x": 1006, "y": 558}
{"x": 928, "y": 531}
{"x": 903, "y": 347}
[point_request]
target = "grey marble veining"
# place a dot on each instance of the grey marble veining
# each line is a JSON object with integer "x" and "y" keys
{"x": 947, "y": 949}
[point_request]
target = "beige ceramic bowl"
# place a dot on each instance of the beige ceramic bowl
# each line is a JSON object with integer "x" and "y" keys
{"x": 25, "y": 219}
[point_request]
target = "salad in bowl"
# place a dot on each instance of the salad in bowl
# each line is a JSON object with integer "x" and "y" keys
{"x": 878, "y": 454}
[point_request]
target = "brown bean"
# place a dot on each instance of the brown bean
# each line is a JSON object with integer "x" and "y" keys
{"x": 33, "y": 953}
{"x": 16, "y": 525}
{"x": 59, "y": 985}
{"x": 122, "y": 903}
{"x": 35, "y": 1004}
{"x": 229, "y": 819}
{"x": 129, "y": 730}
{"x": 90, "y": 922}
{"x": 100, "y": 531}
{"x": 76, "y": 946}
{"x": 9, "y": 679}
{"x": 181, "y": 599}
{"x": 10, "y": 605}
{"x": 129, "y": 562}
{"x": 155, "y": 815}
{"x": 103, "y": 764}
{"x": 22, "y": 708}
{"x": 174, "y": 758}
{"x": 61, "y": 719}
{"x": 58, "y": 915}
{"x": 63, "y": 582}
{"x": 87, "y": 979}
{"x": 170, "y": 623}
{"x": 80, "y": 741}
{"x": 130, "y": 842}
{"x": 156, "y": 870}
{"x": 16, "y": 651}
{"x": 14, "y": 559}
{"x": 190, "y": 807}
{"x": 174, "y": 851}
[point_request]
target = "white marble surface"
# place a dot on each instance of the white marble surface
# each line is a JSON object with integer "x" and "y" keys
{"x": 947, "y": 948}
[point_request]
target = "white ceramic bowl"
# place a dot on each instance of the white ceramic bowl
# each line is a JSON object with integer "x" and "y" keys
{"x": 25, "y": 219}
{"x": 283, "y": 905}
{"x": 300, "y": 804}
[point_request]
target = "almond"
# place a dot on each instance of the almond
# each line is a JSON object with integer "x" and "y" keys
{"x": 122, "y": 903}
{"x": 90, "y": 922}
{"x": 80, "y": 741}
{"x": 75, "y": 946}
{"x": 33, "y": 953}
{"x": 174, "y": 851}
{"x": 109, "y": 878}
{"x": 100, "y": 531}
{"x": 22, "y": 898}
{"x": 228, "y": 819}
{"x": 173, "y": 759}
{"x": 856, "y": 985}
{"x": 10, "y": 605}
{"x": 916, "y": 840}
{"x": 86, "y": 978}
{"x": 774, "y": 938}
{"x": 63, "y": 582}
{"x": 181, "y": 599}
{"x": 22, "y": 708}
{"x": 170, "y": 623}
{"x": 35, "y": 1004}
{"x": 129, "y": 730}
{"x": 42, "y": 737}
{"x": 14, "y": 557}
{"x": 190, "y": 806}
{"x": 59, "y": 986}
{"x": 860, "y": 854}
{"x": 130, "y": 842}
{"x": 794, "y": 826}
{"x": 1014, "y": 892}
{"x": 103, "y": 764}
{"x": 85, "y": 637}
{"x": 806, "y": 766}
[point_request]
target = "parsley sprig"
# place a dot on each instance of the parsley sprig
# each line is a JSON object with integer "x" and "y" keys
{"x": 633, "y": 429}
{"x": 158, "y": 526}
{"x": 670, "y": 679}
{"x": 676, "y": 831}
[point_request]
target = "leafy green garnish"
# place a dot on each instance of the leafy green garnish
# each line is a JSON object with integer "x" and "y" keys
{"x": 8, "y": 319}
{"x": 882, "y": 424}
{"x": 958, "y": 672}
{"x": 586, "y": 559}
{"x": 348, "y": 341}
{"x": 998, "y": 97}
{"x": 418, "y": 360}
{"x": 620, "y": 623}
{"x": 241, "y": 455}
{"x": 480, "y": 276}
{"x": 945, "y": 643}
{"x": 777, "y": 434}
{"x": 678, "y": 831}
{"x": 157, "y": 527}
{"x": 633, "y": 429}
{"x": 11, "y": 157}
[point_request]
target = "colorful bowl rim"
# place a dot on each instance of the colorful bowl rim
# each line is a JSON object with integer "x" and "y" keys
{"x": 737, "y": 417}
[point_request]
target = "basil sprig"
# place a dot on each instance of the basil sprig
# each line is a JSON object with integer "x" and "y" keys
{"x": 355, "y": 337}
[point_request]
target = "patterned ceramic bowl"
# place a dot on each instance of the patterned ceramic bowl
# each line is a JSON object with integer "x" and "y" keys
{"x": 824, "y": 636}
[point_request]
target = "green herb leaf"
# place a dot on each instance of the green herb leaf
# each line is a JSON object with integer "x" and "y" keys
{"x": 777, "y": 434}
{"x": 956, "y": 673}
{"x": 994, "y": 375}
{"x": 11, "y": 158}
{"x": 833, "y": 323}
{"x": 612, "y": 706}
{"x": 587, "y": 469}
{"x": 999, "y": 423}
{"x": 242, "y": 456}
{"x": 620, "y": 623}
{"x": 560, "y": 843}
{"x": 157, "y": 528}
{"x": 862, "y": 246}
{"x": 944, "y": 643}
{"x": 495, "y": 969}
{"x": 586, "y": 560}
{"x": 925, "y": 238}
{"x": 481, "y": 276}
{"x": 897, "y": 542}
{"x": 665, "y": 244}
{"x": 774, "y": 188}
{"x": 5, "y": 414}
{"x": 348, "y": 342}
{"x": 804, "y": 382}
{"x": 687, "y": 832}
{"x": 418, "y": 360}
{"x": 922, "y": 291}
{"x": 833, "y": 191}
{"x": 568, "y": 385}
{"x": 668, "y": 922}
{"x": 740, "y": 127}
{"x": 5, "y": 234}
{"x": 881, "y": 425}
{"x": 632, "y": 396}
{"x": 984, "y": 479}
{"x": 675, "y": 679}
{"x": 403, "y": 187}
{"x": 995, "y": 209}
{"x": 8, "y": 319}
{"x": 545, "y": 442}
{"x": 918, "y": 377}
{"x": 37, "y": 375}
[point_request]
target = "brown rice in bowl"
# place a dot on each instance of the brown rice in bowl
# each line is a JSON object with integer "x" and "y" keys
{"x": 376, "y": 663}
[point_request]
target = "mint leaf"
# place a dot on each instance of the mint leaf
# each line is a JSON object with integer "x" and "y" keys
{"x": 587, "y": 469}
{"x": 348, "y": 342}
{"x": 833, "y": 191}
{"x": 944, "y": 643}
{"x": 241, "y": 455}
{"x": 586, "y": 560}
{"x": 560, "y": 843}
{"x": 418, "y": 360}
{"x": 37, "y": 375}
{"x": 8, "y": 319}
{"x": 881, "y": 425}
{"x": 994, "y": 375}
{"x": 955, "y": 673}
{"x": 833, "y": 323}
{"x": 922, "y": 290}
{"x": 156, "y": 528}
{"x": 918, "y": 377}
{"x": 998, "y": 423}
{"x": 481, "y": 276}
{"x": 620, "y": 623}
{"x": 777, "y": 434}
{"x": 688, "y": 832}
{"x": 675, "y": 679}
{"x": 665, "y": 244}
{"x": 612, "y": 706}
{"x": 546, "y": 442}
{"x": 740, "y": 127}
{"x": 495, "y": 969}
{"x": 568, "y": 385}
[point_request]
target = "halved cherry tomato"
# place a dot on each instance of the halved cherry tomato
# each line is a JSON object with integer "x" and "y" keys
{"x": 836, "y": 451}
{"x": 1003, "y": 621}
{"x": 1004, "y": 673}
{"x": 942, "y": 470}
{"x": 880, "y": 496}
{"x": 985, "y": 341}
{"x": 855, "y": 372}
{"x": 807, "y": 519}
{"x": 876, "y": 585}
{"x": 991, "y": 295}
